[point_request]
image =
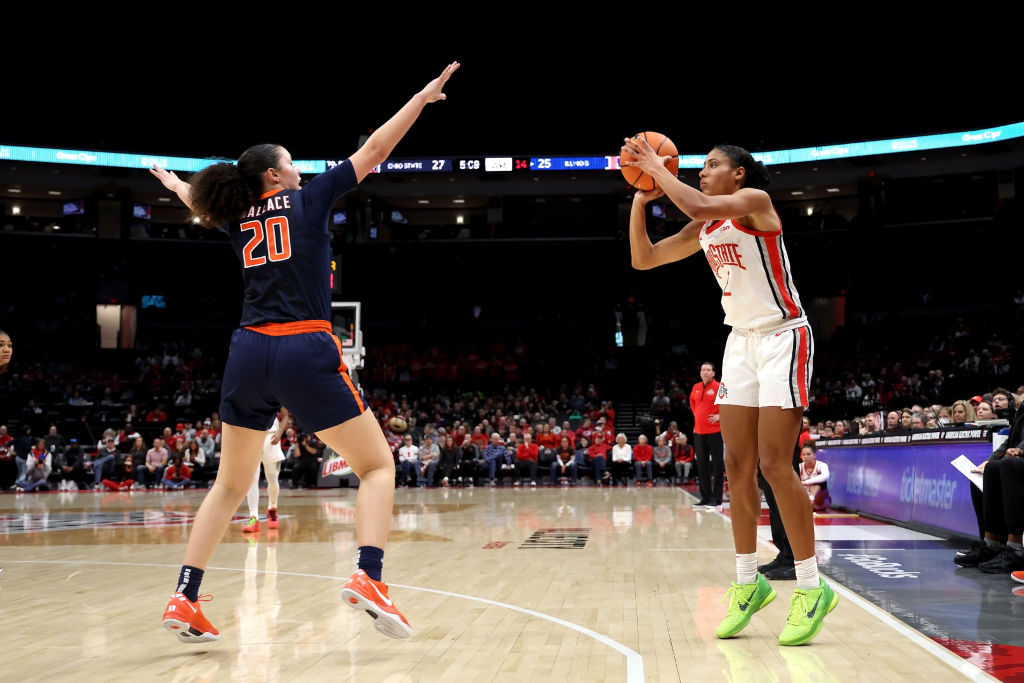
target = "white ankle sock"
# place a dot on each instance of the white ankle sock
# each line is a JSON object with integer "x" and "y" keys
{"x": 746, "y": 568}
{"x": 807, "y": 573}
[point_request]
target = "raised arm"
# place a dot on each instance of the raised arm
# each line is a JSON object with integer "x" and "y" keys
{"x": 379, "y": 145}
{"x": 646, "y": 255}
{"x": 175, "y": 184}
{"x": 744, "y": 202}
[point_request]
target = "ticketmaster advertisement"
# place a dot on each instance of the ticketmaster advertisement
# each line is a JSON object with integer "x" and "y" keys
{"x": 912, "y": 482}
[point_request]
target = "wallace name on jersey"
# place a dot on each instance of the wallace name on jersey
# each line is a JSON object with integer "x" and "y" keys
{"x": 275, "y": 203}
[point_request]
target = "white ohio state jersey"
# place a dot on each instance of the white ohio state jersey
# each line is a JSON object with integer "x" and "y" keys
{"x": 752, "y": 269}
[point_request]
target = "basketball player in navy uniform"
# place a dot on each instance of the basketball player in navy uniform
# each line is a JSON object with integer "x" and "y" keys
{"x": 284, "y": 353}
{"x": 766, "y": 370}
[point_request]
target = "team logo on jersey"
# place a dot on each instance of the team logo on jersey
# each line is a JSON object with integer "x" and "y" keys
{"x": 720, "y": 255}
{"x": 722, "y": 393}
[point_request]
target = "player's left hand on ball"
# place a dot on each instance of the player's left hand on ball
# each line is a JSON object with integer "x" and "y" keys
{"x": 648, "y": 195}
{"x": 646, "y": 158}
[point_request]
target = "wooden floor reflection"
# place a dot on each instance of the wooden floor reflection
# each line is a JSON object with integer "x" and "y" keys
{"x": 629, "y": 589}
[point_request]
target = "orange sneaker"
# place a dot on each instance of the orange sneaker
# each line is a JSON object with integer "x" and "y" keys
{"x": 271, "y": 518}
{"x": 252, "y": 527}
{"x": 363, "y": 593}
{"x": 1017, "y": 576}
{"x": 186, "y": 619}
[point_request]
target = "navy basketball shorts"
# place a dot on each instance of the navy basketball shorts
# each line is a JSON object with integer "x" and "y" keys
{"x": 295, "y": 365}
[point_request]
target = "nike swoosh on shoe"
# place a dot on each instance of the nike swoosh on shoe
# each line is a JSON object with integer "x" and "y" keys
{"x": 382, "y": 596}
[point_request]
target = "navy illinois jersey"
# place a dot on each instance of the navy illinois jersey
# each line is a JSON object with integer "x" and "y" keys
{"x": 284, "y": 245}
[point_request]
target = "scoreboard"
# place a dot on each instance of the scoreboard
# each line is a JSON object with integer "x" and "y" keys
{"x": 492, "y": 164}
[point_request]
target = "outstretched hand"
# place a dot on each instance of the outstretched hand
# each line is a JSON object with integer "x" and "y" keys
{"x": 434, "y": 88}
{"x": 172, "y": 182}
{"x": 167, "y": 178}
{"x": 646, "y": 158}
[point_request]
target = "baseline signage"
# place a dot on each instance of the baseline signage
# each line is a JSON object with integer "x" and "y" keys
{"x": 908, "y": 479}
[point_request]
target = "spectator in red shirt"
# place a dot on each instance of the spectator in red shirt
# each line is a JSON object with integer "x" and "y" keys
{"x": 177, "y": 475}
{"x": 547, "y": 439}
{"x": 569, "y": 433}
{"x": 479, "y": 439}
{"x": 606, "y": 411}
{"x": 643, "y": 454}
{"x": 8, "y": 465}
{"x": 683, "y": 455}
{"x": 670, "y": 434}
{"x": 598, "y": 452}
{"x": 707, "y": 437}
{"x": 586, "y": 430}
{"x": 179, "y": 433}
{"x": 526, "y": 459}
{"x": 158, "y": 414}
{"x": 805, "y": 431}
{"x": 459, "y": 436}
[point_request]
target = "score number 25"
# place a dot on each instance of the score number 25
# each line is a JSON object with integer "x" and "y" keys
{"x": 279, "y": 243}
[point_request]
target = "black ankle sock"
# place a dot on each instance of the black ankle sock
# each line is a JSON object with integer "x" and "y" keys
{"x": 189, "y": 580}
{"x": 371, "y": 561}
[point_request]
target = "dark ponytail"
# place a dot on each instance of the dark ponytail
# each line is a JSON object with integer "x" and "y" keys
{"x": 757, "y": 174}
{"x": 222, "y": 192}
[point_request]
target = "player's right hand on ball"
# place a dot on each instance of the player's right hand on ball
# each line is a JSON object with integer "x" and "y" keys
{"x": 650, "y": 195}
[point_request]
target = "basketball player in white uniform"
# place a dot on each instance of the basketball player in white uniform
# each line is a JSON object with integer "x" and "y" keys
{"x": 767, "y": 364}
{"x": 271, "y": 458}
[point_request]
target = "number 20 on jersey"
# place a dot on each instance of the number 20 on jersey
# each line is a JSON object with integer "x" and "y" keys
{"x": 279, "y": 244}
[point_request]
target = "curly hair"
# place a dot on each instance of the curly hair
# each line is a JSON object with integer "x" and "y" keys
{"x": 222, "y": 192}
{"x": 757, "y": 174}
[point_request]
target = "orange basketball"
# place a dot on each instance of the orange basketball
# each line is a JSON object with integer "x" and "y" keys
{"x": 662, "y": 147}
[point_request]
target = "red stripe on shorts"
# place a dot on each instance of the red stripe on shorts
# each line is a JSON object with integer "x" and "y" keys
{"x": 801, "y": 371}
{"x": 343, "y": 369}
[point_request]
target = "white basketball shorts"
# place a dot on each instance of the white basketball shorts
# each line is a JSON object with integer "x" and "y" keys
{"x": 272, "y": 452}
{"x": 772, "y": 369}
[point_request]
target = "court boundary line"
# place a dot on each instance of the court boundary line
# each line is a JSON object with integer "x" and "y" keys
{"x": 634, "y": 660}
{"x": 948, "y": 657}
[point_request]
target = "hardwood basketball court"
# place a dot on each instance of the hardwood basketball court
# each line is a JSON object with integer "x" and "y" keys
{"x": 499, "y": 584}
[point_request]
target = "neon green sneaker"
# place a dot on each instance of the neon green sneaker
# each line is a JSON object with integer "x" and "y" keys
{"x": 744, "y": 600}
{"x": 807, "y": 613}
